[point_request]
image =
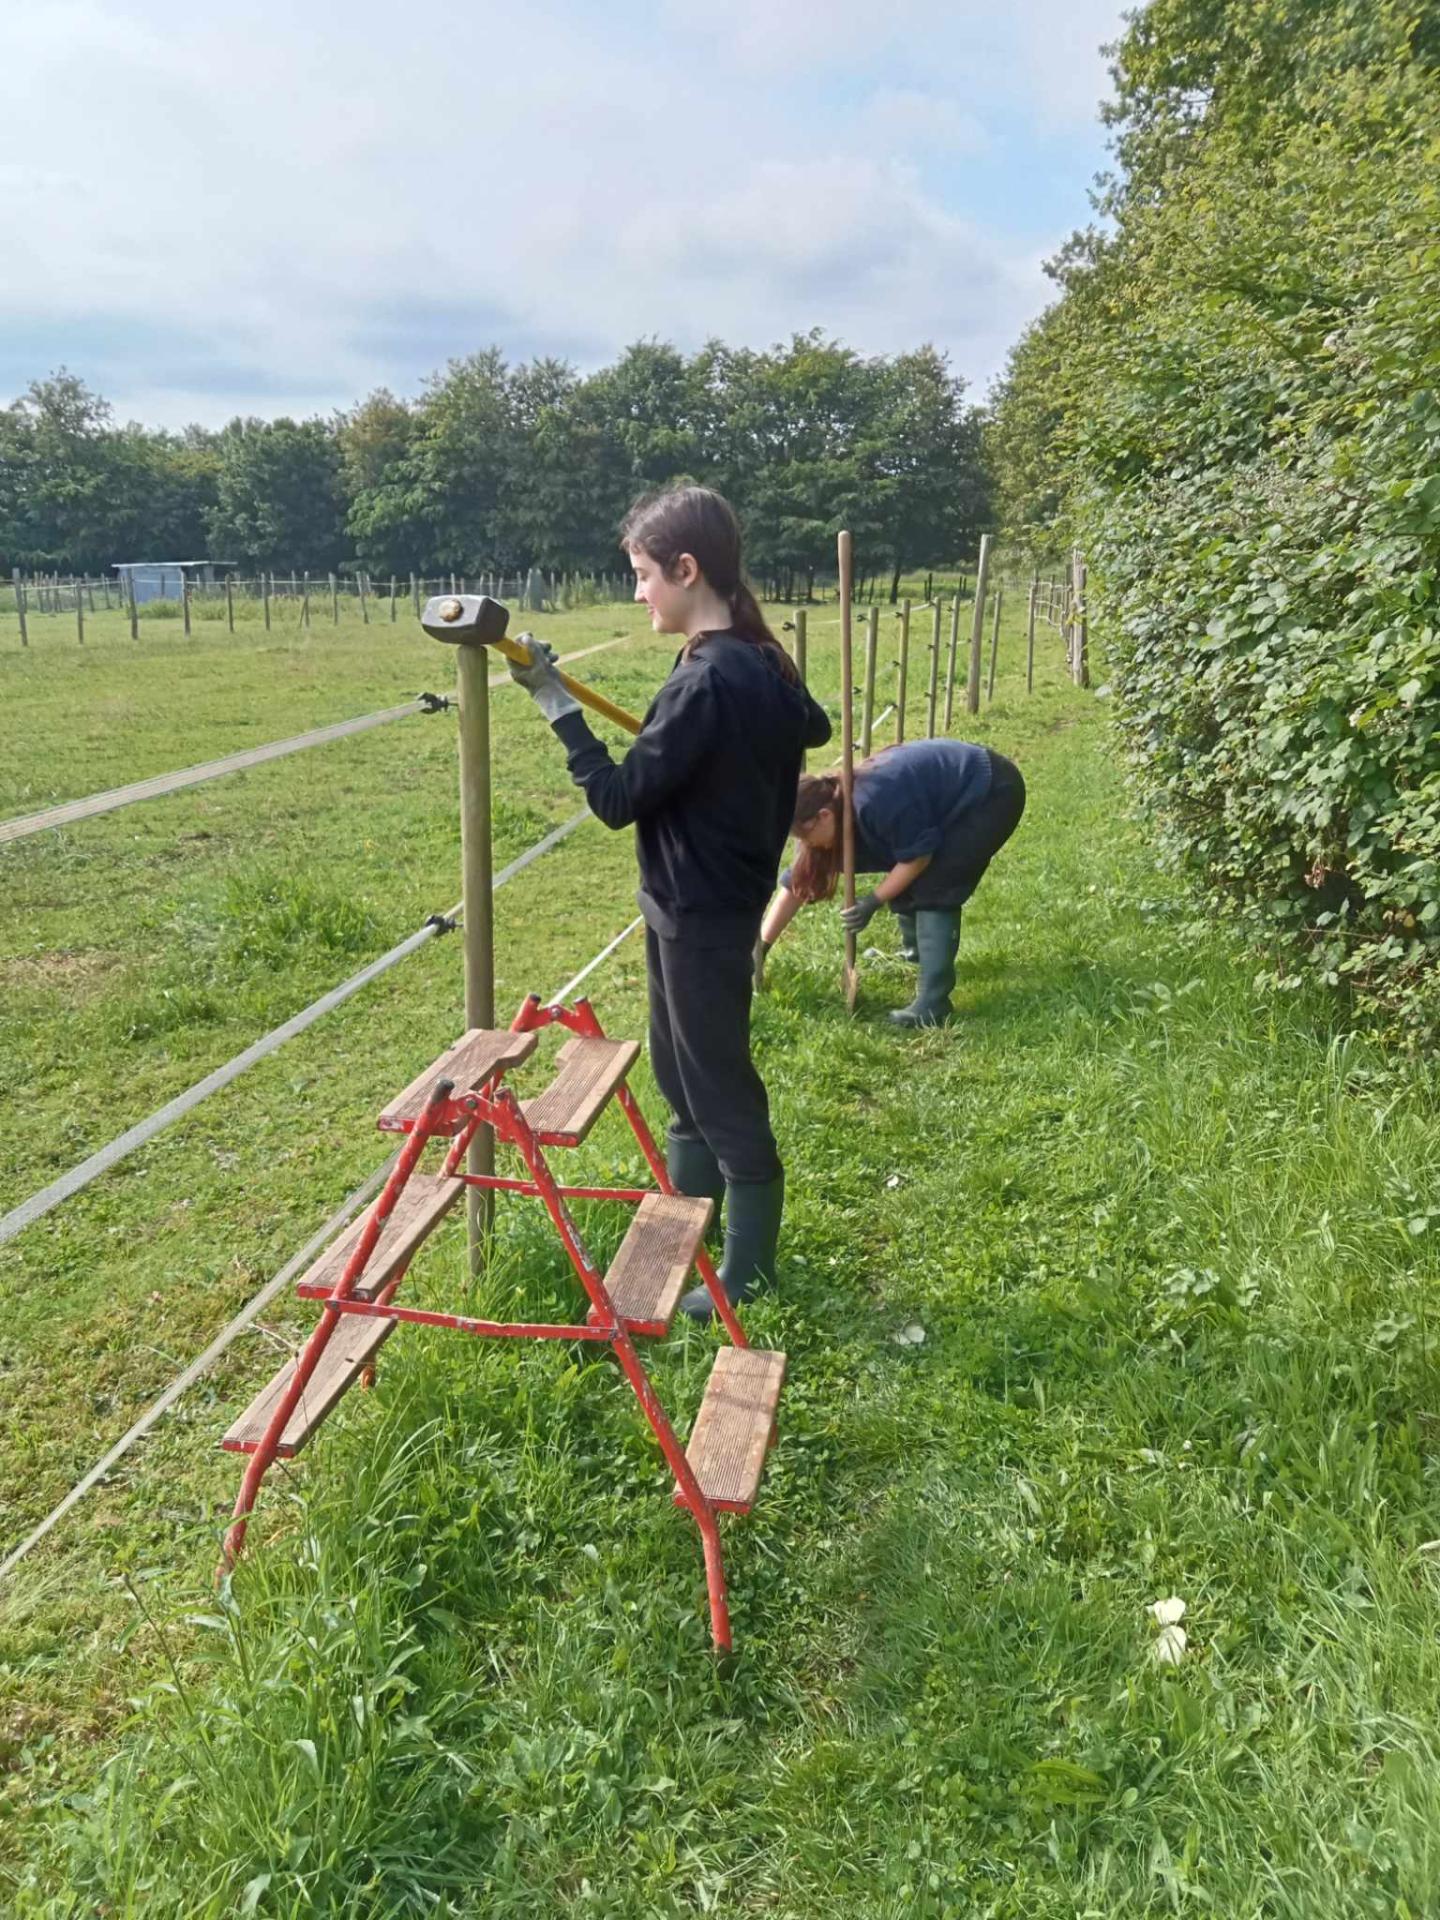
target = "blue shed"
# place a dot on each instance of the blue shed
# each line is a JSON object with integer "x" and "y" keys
{"x": 164, "y": 579}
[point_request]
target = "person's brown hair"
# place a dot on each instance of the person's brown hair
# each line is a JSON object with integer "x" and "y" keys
{"x": 701, "y": 522}
{"x": 816, "y": 869}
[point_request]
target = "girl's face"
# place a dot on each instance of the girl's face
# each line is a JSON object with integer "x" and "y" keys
{"x": 669, "y": 600}
{"x": 819, "y": 832}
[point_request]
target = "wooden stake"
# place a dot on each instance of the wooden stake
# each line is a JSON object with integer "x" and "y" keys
{"x": 1082, "y": 626}
{"x": 334, "y": 601}
{"x": 230, "y": 603}
{"x": 872, "y": 656}
{"x": 305, "y": 602}
{"x": 934, "y": 670}
{"x": 415, "y": 595}
{"x": 265, "y": 596}
{"x": 134, "y": 609}
{"x": 995, "y": 641}
{"x": 392, "y": 599}
{"x": 954, "y": 652}
{"x": 847, "y": 760}
{"x": 19, "y": 586}
{"x": 79, "y": 611}
{"x": 473, "y": 672}
{"x": 365, "y": 616}
{"x": 977, "y": 630}
{"x": 904, "y": 670}
{"x": 801, "y": 657}
{"x": 1030, "y": 636}
{"x": 185, "y": 600}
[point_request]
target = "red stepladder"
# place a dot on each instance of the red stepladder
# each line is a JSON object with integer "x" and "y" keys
{"x": 357, "y": 1278}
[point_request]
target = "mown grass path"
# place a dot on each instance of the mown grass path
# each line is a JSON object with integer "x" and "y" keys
{"x": 1171, "y": 1247}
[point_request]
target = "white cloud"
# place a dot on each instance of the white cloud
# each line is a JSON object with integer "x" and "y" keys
{"x": 275, "y": 209}
{"x": 914, "y": 118}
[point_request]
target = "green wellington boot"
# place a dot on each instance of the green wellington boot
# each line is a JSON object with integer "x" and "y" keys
{"x": 752, "y": 1232}
{"x": 693, "y": 1168}
{"x": 937, "y": 936}
{"x": 908, "y": 949}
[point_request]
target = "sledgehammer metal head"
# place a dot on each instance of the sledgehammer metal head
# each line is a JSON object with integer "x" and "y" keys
{"x": 475, "y": 620}
{"x": 466, "y": 619}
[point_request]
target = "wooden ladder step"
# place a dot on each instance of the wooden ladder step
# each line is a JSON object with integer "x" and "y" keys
{"x": 648, "y": 1274}
{"x": 353, "y": 1345}
{"x": 424, "y": 1201}
{"x": 475, "y": 1058}
{"x": 735, "y": 1426}
{"x": 587, "y": 1073}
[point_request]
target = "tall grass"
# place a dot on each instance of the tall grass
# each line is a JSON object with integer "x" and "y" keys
{"x": 1118, "y": 1290}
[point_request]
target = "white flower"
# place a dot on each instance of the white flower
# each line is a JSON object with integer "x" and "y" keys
{"x": 911, "y": 1336}
{"x": 1166, "y": 1613}
{"x": 1170, "y": 1644}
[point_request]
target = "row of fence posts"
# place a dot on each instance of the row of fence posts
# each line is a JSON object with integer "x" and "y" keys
{"x": 50, "y": 594}
{"x": 1061, "y": 605}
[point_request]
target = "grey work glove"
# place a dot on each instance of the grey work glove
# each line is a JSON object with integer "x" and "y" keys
{"x": 541, "y": 679}
{"x": 855, "y": 919}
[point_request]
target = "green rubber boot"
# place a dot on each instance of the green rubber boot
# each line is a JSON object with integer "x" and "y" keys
{"x": 694, "y": 1170}
{"x": 752, "y": 1232}
{"x": 937, "y": 936}
{"x": 908, "y": 949}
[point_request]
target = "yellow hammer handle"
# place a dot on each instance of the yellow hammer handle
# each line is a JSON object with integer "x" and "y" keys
{"x": 587, "y": 696}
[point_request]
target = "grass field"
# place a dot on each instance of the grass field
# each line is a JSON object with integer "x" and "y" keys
{"x": 1170, "y": 1245}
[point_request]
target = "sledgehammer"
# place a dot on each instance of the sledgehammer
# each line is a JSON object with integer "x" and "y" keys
{"x": 475, "y": 620}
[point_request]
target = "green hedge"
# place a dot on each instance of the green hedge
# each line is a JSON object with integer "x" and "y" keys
{"x": 1239, "y": 395}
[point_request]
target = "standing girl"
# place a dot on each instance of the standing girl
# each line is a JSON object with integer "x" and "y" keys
{"x": 709, "y": 786}
{"x": 930, "y": 816}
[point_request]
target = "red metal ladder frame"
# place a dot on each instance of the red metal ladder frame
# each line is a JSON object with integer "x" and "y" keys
{"x": 444, "y": 1113}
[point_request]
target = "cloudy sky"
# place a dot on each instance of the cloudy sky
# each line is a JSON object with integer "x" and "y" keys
{"x": 281, "y": 207}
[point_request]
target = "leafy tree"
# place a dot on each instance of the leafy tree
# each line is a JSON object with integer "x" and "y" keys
{"x": 279, "y": 495}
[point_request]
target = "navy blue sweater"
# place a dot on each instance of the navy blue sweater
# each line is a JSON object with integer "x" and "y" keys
{"x": 709, "y": 786}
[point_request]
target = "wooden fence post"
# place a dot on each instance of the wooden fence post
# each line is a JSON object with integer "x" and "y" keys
{"x": 473, "y": 675}
{"x": 134, "y": 609}
{"x": 365, "y": 616}
{"x": 1082, "y": 626}
{"x": 79, "y": 610}
{"x": 392, "y": 599}
{"x": 305, "y": 602}
{"x": 995, "y": 642}
{"x": 872, "y": 657}
{"x": 950, "y": 671}
{"x": 1030, "y": 636}
{"x": 334, "y": 601}
{"x": 847, "y": 760}
{"x": 936, "y": 616}
{"x": 977, "y": 630}
{"x": 904, "y": 671}
{"x": 415, "y": 595}
{"x": 265, "y": 598}
{"x": 19, "y": 586}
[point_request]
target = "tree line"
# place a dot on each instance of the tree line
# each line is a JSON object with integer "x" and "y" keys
{"x": 1234, "y": 404}
{"x": 501, "y": 467}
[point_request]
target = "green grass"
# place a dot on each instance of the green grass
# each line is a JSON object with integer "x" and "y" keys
{"x": 1171, "y": 1245}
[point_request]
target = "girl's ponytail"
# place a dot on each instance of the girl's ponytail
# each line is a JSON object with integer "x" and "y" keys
{"x": 750, "y": 624}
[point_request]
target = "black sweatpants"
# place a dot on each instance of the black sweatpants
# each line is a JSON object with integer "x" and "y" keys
{"x": 959, "y": 862}
{"x": 700, "y": 1051}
